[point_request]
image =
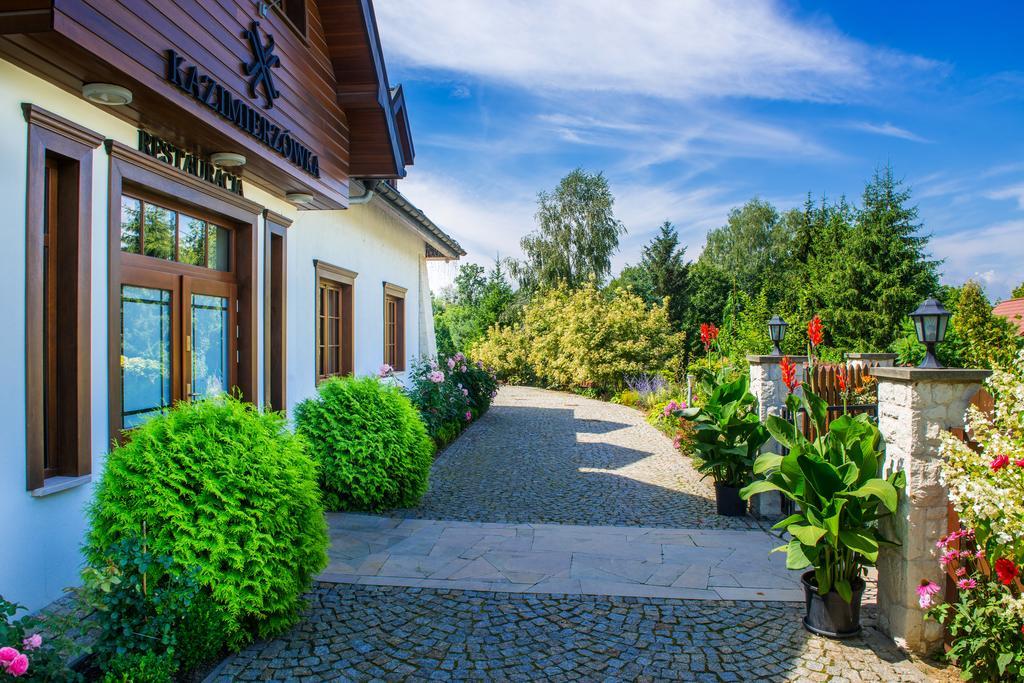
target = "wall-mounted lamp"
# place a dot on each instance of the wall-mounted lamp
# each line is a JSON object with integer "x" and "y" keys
{"x": 227, "y": 159}
{"x": 107, "y": 94}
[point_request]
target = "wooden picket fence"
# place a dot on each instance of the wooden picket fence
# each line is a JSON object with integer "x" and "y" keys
{"x": 825, "y": 382}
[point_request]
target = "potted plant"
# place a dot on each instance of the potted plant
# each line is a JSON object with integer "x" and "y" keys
{"x": 728, "y": 435}
{"x": 840, "y": 497}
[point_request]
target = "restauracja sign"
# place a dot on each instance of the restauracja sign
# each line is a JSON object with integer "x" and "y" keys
{"x": 206, "y": 90}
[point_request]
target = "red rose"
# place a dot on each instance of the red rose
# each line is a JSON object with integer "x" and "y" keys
{"x": 1006, "y": 570}
{"x": 999, "y": 463}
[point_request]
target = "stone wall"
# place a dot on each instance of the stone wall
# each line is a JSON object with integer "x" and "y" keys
{"x": 766, "y": 384}
{"x": 914, "y": 407}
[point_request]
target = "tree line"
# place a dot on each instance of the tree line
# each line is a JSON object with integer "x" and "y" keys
{"x": 861, "y": 267}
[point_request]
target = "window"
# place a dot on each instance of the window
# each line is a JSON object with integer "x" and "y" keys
{"x": 150, "y": 229}
{"x": 334, "y": 320}
{"x": 57, "y": 297}
{"x": 295, "y": 12}
{"x": 394, "y": 326}
{"x": 275, "y": 309}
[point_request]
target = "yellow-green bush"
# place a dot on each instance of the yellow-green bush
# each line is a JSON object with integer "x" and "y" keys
{"x": 582, "y": 338}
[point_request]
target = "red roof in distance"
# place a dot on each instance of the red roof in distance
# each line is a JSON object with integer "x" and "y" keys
{"x": 1012, "y": 310}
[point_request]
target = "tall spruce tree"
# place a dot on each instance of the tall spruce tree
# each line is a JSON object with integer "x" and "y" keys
{"x": 887, "y": 261}
{"x": 662, "y": 261}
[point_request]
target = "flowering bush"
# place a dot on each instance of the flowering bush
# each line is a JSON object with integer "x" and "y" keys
{"x": 27, "y": 654}
{"x": 582, "y": 338}
{"x": 986, "y": 487}
{"x": 450, "y": 394}
{"x": 663, "y": 416}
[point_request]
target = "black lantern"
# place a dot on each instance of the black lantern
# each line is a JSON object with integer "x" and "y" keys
{"x": 777, "y": 331}
{"x": 930, "y": 321}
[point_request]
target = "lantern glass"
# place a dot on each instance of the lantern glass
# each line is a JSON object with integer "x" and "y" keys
{"x": 777, "y": 329}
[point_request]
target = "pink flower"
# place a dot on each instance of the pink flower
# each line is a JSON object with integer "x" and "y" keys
{"x": 7, "y": 655}
{"x": 436, "y": 377}
{"x": 385, "y": 370}
{"x": 469, "y": 416}
{"x": 966, "y": 584}
{"x": 999, "y": 463}
{"x": 465, "y": 392}
{"x": 18, "y": 666}
{"x": 33, "y": 642}
{"x": 925, "y": 592}
{"x": 493, "y": 394}
{"x": 451, "y": 363}
{"x": 459, "y": 357}
{"x": 947, "y": 557}
{"x": 480, "y": 365}
{"x": 463, "y": 368}
{"x": 961, "y": 571}
{"x": 677, "y": 442}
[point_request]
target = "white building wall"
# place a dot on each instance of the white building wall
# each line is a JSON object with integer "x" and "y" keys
{"x": 371, "y": 241}
{"x": 43, "y": 535}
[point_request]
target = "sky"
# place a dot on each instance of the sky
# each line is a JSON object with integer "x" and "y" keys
{"x": 692, "y": 107}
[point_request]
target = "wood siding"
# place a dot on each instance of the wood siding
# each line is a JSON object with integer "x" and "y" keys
{"x": 125, "y": 42}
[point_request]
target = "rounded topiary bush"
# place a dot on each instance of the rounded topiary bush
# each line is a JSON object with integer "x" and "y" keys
{"x": 369, "y": 443}
{"x": 228, "y": 493}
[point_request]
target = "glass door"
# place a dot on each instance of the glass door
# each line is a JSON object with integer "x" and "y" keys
{"x": 149, "y": 354}
{"x": 210, "y": 335}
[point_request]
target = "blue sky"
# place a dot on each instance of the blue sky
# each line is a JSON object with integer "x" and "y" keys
{"x": 692, "y": 108}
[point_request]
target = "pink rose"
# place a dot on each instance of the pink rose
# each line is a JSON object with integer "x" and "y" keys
{"x": 451, "y": 363}
{"x": 465, "y": 392}
{"x": 33, "y": 642}
{"x": 18, "y": 666}
{"x": 469, "y": 416}
{"x": 7, "y": 655}
{"x": 463, "y": 368}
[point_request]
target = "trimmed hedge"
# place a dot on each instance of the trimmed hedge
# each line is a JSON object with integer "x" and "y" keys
{"x": 369, "y": 443}
{"x": 228, "y": 493}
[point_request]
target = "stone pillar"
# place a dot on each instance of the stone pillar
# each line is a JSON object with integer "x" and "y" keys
{"x": 880, "y": 360}
{"x": 766, "y": 384}
{"x": 914, "y": 407}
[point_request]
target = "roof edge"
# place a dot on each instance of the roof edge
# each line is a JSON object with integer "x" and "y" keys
{"x": 446, "y": 244}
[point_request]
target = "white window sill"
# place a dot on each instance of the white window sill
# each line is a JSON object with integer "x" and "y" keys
{"x": 58, "y": 484}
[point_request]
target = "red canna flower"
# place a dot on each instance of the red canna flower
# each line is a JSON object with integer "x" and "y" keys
{"x": 815, "y": 333}
{"x": 1006, "y": 570}
{"x": 1019, "y": 463}
{"x": 841, "y": 377}
{"x": 708, "y": 334}
{"x": 788, "y": 368}
{"x": 999, "y": 463}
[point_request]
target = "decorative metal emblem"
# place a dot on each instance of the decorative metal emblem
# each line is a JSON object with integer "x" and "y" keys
{"x": 259, "y": 70}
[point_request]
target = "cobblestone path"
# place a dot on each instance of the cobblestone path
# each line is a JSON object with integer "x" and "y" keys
{"x": 544, "y": 456}
{"x": 389, "y": 633}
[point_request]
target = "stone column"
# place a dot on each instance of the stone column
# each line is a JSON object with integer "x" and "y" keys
{"x": 881, "y": 360}
{"x": 914, "y": 407}
{"x": 766, "y": 384}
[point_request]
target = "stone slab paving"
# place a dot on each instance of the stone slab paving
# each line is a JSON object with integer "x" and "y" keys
{"x": 550, "y": 457}
{"x": 388, "y": 633}
{"x": 559, "y": 558}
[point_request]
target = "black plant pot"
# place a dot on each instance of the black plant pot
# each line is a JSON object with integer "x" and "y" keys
{"x": 829, "y": 615}
{"x": 728, "y": 501}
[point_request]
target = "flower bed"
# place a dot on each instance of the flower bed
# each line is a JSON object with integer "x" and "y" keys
{"x": 450, "y": 394}
{"x": 986, "y": 487}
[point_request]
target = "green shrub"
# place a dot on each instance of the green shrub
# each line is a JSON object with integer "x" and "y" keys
{"x": 230, "y": 495}
{"x": 133, "y": 667}
{"x": 145, "y": 607}
{"x": 371, "y": 447}
{"x": 573, "y": 338}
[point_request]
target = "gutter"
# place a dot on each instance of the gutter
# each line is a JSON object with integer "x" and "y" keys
{"x": 397, "y": 202}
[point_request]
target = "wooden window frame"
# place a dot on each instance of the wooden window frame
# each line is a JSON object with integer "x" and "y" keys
{"x": 71, "y": 146}
{"x": 275, "y": 310}
{"x": 397, "y": 294}
{"x": 345, "y": 280}
{"x": 141, "y": 173}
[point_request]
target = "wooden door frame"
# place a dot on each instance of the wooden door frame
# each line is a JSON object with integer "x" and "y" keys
{"x": 193, "y": 285}
{"x": 128, "y": 166}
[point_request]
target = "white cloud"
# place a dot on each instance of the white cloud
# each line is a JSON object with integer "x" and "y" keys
{"x": 661, "y": 48}
{"x": 1014, "y": 192}
{"x": 887, "y": 129}
{"x": 993, "y": 255}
